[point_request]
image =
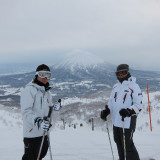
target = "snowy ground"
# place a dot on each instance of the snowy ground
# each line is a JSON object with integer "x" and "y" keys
{"x": 80, "y": 143}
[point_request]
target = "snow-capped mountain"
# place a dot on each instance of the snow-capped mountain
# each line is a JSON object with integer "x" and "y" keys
{"x": 80, "y": 59}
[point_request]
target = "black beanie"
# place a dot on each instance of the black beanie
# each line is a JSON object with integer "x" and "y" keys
{"x": 42, "y": 67}
{"x": 122, "y": 67}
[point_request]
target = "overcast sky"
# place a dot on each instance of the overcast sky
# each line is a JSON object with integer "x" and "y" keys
{"x": 120, "y": 31}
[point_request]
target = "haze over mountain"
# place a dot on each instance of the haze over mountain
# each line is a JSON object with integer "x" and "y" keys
{"x": 81, "y": 59}
{"x": 81, "y": 73}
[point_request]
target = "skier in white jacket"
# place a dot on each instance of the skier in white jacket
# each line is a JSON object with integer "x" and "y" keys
{"x": 35, "y": 102}
{"x": 125, "y": 101}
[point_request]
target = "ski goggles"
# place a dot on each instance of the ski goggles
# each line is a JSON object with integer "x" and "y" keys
{"x": 44, "y": 74}
{"x": 121, "y": 74}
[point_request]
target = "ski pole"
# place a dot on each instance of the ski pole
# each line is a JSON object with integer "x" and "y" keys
{"x": 109, "y": 139}
{"x": 124, "y": 143}
{"x": 41, "y": 145}
{"x": 48, "y": 117}
{"x": 49, "y": 144}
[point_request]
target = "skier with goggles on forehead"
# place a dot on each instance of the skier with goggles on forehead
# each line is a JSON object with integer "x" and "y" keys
{"x": 35, "y": 101}
{"x": 125, "y": 103}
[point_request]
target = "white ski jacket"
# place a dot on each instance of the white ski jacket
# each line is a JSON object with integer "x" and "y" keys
{"x": 125, "y": 95}
{"x": 35, "y": 102}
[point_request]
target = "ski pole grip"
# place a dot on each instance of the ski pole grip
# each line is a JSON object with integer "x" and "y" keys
{"x": 59, "y": 101}
{"x": 122, "y": 118}
{"x": 51, "y": 108}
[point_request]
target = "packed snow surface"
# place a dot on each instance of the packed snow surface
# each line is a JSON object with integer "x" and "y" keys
{"x": 82, "y": 143}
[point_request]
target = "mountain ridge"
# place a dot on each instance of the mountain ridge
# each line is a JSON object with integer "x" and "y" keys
{"x": 77, "y": 81}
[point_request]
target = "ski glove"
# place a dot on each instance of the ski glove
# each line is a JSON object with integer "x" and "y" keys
{"x": 126, "y": 112}
{"x": 44, "y": 124}
{"x": 105, "y": 113}
{"x": 57, "y": 106}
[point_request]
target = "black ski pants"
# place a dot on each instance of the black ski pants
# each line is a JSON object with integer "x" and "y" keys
{"x": 131, "y": 152}
{"x": 32, "y": 146}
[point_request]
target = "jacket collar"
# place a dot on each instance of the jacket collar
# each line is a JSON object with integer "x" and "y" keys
{"x": 46, "y": 86}
{"x": 130, "y": 79}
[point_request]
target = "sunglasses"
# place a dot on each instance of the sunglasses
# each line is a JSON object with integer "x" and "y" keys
{"x": 121, "y": 74}
{"x": 44, "y": 74}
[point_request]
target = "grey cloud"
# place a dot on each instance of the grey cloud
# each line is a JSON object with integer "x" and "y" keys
{"x": 117, "y": 27}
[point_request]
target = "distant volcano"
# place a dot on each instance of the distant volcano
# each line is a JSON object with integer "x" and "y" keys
{"x": 79, "y": 59}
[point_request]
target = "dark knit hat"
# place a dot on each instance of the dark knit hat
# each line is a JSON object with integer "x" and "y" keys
{"x": 42, "y": 67}
{"x": 122, "y": 67}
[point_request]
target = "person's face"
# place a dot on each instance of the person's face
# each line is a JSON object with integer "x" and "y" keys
{"x": 43, "y": 76}
{"x": 121, "y": 74}
{"x": 43, "y": 80}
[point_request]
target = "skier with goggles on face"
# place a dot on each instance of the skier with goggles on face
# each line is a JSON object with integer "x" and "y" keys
{"x": 125, "y": 103}
{"x": 44, "y": 74}
{"x": 35, "y": 102}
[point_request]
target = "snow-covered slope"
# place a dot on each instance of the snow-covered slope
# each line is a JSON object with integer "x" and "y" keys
{"x": 82, "y": 142}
